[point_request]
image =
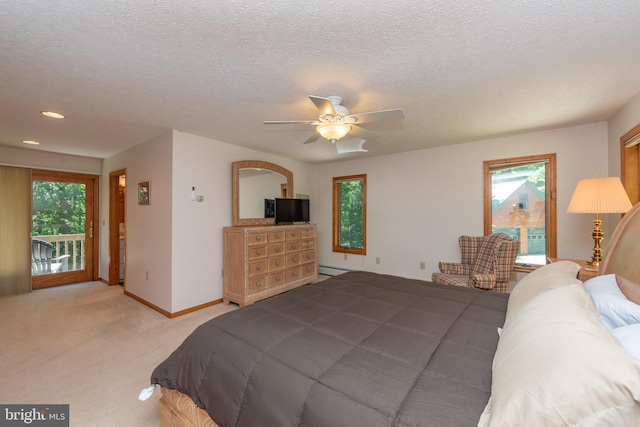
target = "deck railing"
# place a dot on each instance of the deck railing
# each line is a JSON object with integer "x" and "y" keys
{"x": 68, "y": 244}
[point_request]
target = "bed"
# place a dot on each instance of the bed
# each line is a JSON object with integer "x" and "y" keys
{"x": 365, "y": 349}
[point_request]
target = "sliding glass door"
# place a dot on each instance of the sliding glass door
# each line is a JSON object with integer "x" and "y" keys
{"x": 63, "y": 228}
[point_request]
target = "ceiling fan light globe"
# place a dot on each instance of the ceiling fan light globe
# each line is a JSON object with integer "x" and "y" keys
{"x": 333, "y": 131}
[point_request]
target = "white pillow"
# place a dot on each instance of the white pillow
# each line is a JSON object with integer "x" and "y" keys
{"x": 614, "y": 308}
{"x": 629, "y": 337}
{"x": 545, "y": 278}
{"x": 557, "y": 365}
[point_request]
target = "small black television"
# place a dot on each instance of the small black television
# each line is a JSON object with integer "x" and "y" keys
{"x": 291, "y": 210}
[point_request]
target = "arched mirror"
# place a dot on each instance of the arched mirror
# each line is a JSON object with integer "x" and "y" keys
{"x": 255, "y": 184}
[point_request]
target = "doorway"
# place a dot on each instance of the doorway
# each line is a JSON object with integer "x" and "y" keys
{"x": 117, "y": 227}
{"x": 630, "y": 163}
{"x": 64, "y": 214}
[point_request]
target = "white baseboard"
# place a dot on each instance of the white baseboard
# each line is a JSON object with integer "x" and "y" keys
{"x": 331, "y": 271}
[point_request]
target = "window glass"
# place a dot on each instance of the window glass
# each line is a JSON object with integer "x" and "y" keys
{"x": 521, "y": 206}
{"x": 59, "y": 218}
{"x": 349, "y": 214}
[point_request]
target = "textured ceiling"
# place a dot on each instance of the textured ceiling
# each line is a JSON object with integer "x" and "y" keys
{"x": 125, "y": 71}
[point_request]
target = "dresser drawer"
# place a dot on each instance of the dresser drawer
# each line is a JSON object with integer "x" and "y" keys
{"x": 276, "y": 249}
{"x": 307, "y": 232}
{"x": 256, "y": 252}
{"x": 257, "y": 267}
{"x": 256, "y": 238}
{"x": 307, "y": 244}
{"x": 293, "y": 246}
{"x": 293, "y": 234}
{"x": 277, "y": 279}
{"x": 277, "y": 263}
{"x": 293, "y": 274}
{"x": 308, "y": 256}
{"x": 308, "y": 269}
{"x": 293, "y": 259}
{"x": 257, "y": 284}
{"x": 277, "y": 236}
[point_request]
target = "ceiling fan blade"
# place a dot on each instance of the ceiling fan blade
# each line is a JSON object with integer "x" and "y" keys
{"x": 324, "y": 105}
{"x": 291, "y": 122}
{"x": 362, "y": 133}
{"x": 377, "y": 116}
{"x": 351, "y": 145}
{"x": 312, "y": 138}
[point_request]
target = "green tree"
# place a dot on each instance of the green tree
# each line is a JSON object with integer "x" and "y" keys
{"x": 58, "y": 208}
{"x": 351, "y": 214}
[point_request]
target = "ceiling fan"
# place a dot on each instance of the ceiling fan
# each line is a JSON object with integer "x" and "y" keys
{"x": 334, "y": 123}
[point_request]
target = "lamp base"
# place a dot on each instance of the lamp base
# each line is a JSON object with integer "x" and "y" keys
{"x": 597, "y": 234}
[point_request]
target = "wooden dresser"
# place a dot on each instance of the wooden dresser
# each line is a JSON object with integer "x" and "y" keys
{"x": 262, "y": 261}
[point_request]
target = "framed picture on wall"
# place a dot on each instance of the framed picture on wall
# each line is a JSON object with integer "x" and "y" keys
{"x": 144, "y": 193}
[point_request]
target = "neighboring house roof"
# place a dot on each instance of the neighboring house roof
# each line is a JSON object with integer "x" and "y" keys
{"x": 503, "y": 190}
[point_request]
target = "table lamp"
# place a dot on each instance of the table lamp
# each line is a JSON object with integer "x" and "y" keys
{"x": 597, "y": 196}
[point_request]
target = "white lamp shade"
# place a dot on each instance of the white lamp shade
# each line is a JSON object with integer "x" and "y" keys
{"x": 333, "y": 131}
{"x": 599, "y": 195}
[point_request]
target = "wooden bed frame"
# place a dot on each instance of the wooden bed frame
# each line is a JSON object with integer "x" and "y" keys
{"x": 178, "y": 410}
{"x": 621, "y": 257}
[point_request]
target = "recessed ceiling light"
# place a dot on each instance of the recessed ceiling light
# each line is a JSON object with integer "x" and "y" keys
{"x": 52, "y": 114}
{"x": 30, "y": 142}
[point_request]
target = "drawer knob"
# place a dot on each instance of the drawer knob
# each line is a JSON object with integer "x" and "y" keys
{"x": 258, "y": 284}
{"x": 295, "y": 273}
{"x": 258, "y": 238}
{"x": 277, "y": 278}
{"x": 278, "y": 249}
{"x": 277, "y": 235}
{"x": 294, "y": 246}
{"x": 277, "y": 263}
{"x": 258, "y": 267}
{"x": 295, "y": 259}
{"x": 258, "y": 252}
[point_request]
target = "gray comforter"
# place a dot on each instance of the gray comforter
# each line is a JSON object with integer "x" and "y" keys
{"x": 359, "y": 349}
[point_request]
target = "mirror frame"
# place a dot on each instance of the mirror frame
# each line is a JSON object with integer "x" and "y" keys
{"x": 235, "y": 189}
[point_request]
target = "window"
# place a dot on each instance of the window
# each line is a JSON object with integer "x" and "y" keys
{"x": 350, "y": 214}
{"x": 519, "y": 200}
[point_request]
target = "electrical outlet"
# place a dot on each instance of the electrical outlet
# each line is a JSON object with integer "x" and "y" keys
{"x": 377, "y": 260}
{"x": 146, "y": 275}
{"x": 422, "y": 265}
{"x": 345, "y": 257}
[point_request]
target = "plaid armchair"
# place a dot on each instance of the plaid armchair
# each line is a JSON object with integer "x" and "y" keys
{"x": 486, "y": 263}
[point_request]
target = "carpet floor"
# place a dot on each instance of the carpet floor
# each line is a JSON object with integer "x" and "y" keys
{"x": 90, "y": 346}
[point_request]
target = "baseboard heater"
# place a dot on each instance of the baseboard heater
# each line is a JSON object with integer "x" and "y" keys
{"x": 331, "y": 271}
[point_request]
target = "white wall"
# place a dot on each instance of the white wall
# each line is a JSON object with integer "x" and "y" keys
{"x": 148, "y": 227}
{"x": 622, "y": 122}
{"x": 419, "y": 202}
